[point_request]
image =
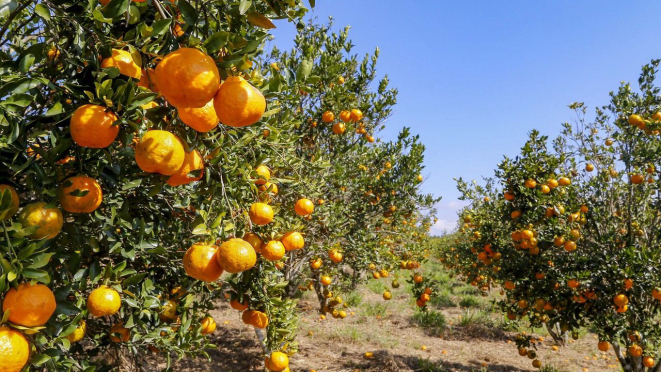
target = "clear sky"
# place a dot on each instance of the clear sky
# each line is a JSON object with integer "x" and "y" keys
{"x": 474, "y": 77}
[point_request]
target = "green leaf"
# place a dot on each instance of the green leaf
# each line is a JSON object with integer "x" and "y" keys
{"x": 216, "y": 41}
{"x": 188, "y": 12}
{"x": 303, "y": 70}
{"x": 135, "y": 279}
{"x": 115, "y": 8}
{"x": 41, "y": 260}
{"x": 38, "y": 275}
{"x": 67, "y": 308}
{"x": 244, "y": 5}
{"x": 56, "y": 109}
{"x": 160, "y": 26}
{"x": 26, "y": 62}
{"x": 200, "y": 229}
{"x": 42, "y": 11}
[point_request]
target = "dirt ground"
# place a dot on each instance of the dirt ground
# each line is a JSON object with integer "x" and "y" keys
{"x": 387, "y": 329}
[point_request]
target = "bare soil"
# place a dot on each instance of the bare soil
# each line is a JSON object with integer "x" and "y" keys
{"x": 398, "y": 344}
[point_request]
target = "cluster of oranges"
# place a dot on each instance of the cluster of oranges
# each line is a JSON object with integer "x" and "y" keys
{"x": 346, "y": 117}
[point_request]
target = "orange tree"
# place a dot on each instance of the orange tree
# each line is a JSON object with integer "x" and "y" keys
{"x": 366, "y": 191}
{"x": 131, "y": 194}
{"x": 582, "y": 253}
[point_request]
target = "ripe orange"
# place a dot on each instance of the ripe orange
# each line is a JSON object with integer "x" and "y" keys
{"x": 188, "y": 78}
{"x": 293, "y": 241}
{"x": 357, "y": 115}
{"x": 637, "y": 179}
{"x": 29, "y": 305}
{"x": 103, "y": 301}
{"x": 78, "y": 333}
{"x": 339, "y": 128}
{"x": 80, "y": 194}
{"x": 92, "y": 126}
{"x": 14, "y": 350}
{"x": 168, "y": 311}
{"x": 328, "y": 117}
{"x": 254, "y": 240}
{"x": 160, "y": 151}
{"x": 261, "y": 214}
{"x": 564, "y": 181}
{"x": 573, "y": 283}
{"x": 124, "y": 333}
{"x": 273, "y": 250}
{"x": 236, "y": 255}
{"x": 620, "y": 300}
{"x": 530, "y": 183}
{"x": 238, "y": 103}
{"x": 255, "y": 318}
{"x": 603, "y": 345}
{"x": 589, "y": 167}
{"x": 304, "y": 207}
{"x": 201, "y": 263}
{"x": 278, "y": 361}
{"x": 570, "y": 246}
{"x": 124, "y": 62}
{"x": 202, "y": 119}
{"x": 193, "y": 162}
{"x": 648, "y": 362}
{"x": 635, "y": 350}
{"x": 13, "y": 205}
{"x": 49, "y": 220}
{"x": 268, "y": 185}
{"x": 418, "y": 278}
{"x": 208, "y": 325}
{"x": 236, "y": 305}
{"x": 335, "y": 255}
{"x": 326, "y": 280}
{"x": 315, "y": 264}
{"x": 387, "y": 295}
{"x": 636, "y": 120}
{"x": 263, "y": 175}
{"x": 345, "y": 116}
{"x": 509, "y": 196}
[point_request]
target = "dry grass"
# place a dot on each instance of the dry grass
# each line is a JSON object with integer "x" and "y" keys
{"x": 455, "y": 339}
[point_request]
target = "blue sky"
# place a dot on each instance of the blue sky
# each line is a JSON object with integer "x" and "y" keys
{"x": 474, "y": 77}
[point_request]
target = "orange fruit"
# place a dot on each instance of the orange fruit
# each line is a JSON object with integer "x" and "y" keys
{"x": 254, "y": 240}
{"x": 648, "y": 362}
{"x": 570, "y": 246}
{"x": 201, "y": 262}
{"x": 168, "y": 311}
{"x": 124, "y": 333}
{"x": 603, "y": 345}
{"x": 238, "y": 103}
{"x": 530, "y": 183}
{"x": 273, "y": 250}
{"x": 345, "y": 116}
{"x": 269, "y": 185}
{"x": 193, "y": 162}
{"x": 202, "y": 119}
{"x": 29, "y": 305}
{"x": 208, "y": 325}
{"x": 124, "y": 62}
{"x": 80, "y": 194}
{"x": 92, "y": 126}
{"x": 187, "y": 78}
{"x": 636, "y": 120}
{"x": 12, "y": 208}
{"x": 255, "y": 318}
{"x": 103, "y": 301}
{"x": 328, "y": 117}
{"x": 315, "y": 264}
{"x": 148, "y": 80}
{"x": 335, "y": 255}
{"x": 278, "y": 361}
{"x": 293, "y": 241}
{"x": 357, "y": 115}
{"x": 339, "y": 128}
{"x": 620, "y": 300}
{"x": 48, "y": 220}
{"x": 637, "y": 179}
{"x": 236, "y": 305}
{"x": 78, "y": 333}
{"x": 263, "y": 175}
{"x": 261, "y": 214}
{"x": 564, "y": 181}
{"x": 304, "y": 207}
{"x": 326, "y": 280}
{"x": 387, "y": 295}
{"x": 14, "y": 350}
{"x": 236, "y": 255}
{"x": 160, "y": 151}
{"x": 635, "y": 350}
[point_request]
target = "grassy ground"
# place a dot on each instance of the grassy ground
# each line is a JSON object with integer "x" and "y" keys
{"x": 462, "y": 331}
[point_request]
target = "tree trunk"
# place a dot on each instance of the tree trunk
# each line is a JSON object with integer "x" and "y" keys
{"x": 319, "y": 289}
